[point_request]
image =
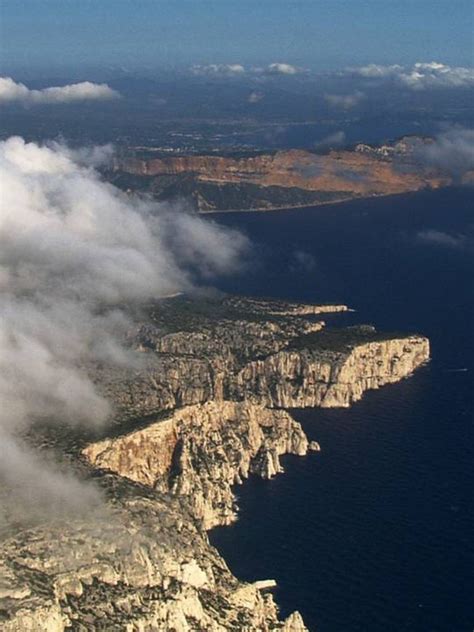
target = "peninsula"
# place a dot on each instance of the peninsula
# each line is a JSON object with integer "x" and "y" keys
{"x": 202, "y": 409}
{"x": 283, "y": 179}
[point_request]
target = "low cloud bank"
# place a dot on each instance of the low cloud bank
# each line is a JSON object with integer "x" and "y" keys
{"x": 224, "y": 70}
{"x": 417, "y": 76}
{"x": 452, "y": 151}
{"x": 345, "y": 101}
{"x": 332, "y": 140}
{"x": 12, "y": 91}
{"x": 420, "y": 76}
{"x": 282, "y": 69}
{"x": 440, "y": 238}
{"x": 73, "y": 251}
{"x": 236, "y": 70}
{"x": 460, "y": 243}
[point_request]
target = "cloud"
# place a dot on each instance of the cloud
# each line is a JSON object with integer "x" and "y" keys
{"x": 87, "y": 155}
{"x": 74, "y": 251}
{"x": 451, "y": 151}
{"x": 421, "y": 75}
{"x": 39, "y": 487}
{"x": 435, "y": 75}
{"x": 282, "y": 69}
{"x": 255, "y": 97}
{"x": 236, "y": 70}
{"x": 439, "y": 238}
{"x": 375, "y": 71}
{"x": 11, "y": 91}
{"x": 302, "y": 261}
{"x": 345, "y": 101}
{"x": 332, "y": 140}
{"x": 223, "y": 70}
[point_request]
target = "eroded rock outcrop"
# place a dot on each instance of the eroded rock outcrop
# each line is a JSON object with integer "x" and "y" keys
{"x": 140, "y": 565}
{"x": 311, "y": 377}
{"x": 201, "y": 451}
{"x": 278, "y": 363}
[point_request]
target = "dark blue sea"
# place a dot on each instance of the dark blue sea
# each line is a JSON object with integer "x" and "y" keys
{"x": 375, "y": 532}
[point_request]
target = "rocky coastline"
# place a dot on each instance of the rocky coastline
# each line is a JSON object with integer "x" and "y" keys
{"x": 200, "y": 412}
{"x": 286, "y": 179}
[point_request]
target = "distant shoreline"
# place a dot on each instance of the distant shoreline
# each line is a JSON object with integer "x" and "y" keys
{"x": 344, "y": 201}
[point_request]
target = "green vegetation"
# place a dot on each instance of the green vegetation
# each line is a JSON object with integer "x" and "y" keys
{"x": 339, "y": 340}
{"x": 213, "y": 196}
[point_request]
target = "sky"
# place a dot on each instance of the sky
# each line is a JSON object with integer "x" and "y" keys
{"x": 45, "y": 35}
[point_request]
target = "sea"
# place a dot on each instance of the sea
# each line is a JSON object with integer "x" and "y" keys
{"x": 375, "y": 532}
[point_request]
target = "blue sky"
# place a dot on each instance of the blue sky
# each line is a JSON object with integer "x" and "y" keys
{"x": 320, "y": 34}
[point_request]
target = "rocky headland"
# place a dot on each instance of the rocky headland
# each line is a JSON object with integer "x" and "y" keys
{"x": 283, "y": 179}
{"x": 199, "y": 412}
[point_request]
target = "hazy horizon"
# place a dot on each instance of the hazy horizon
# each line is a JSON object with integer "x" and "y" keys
{"x": 54, "y": 36}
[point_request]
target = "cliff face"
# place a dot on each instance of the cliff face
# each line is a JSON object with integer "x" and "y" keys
{"x": 309, "y": 378}
{"x": 350, "y": 171}
{"x": 281, "y": 370}
{"x": 284, "y": 179}
{"x": 201, "y": 451}
{"x": 230, "y": 377}
{"x": 199, "y": 412}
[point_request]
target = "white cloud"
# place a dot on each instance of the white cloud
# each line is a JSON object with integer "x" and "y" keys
{"x": 440, "y": 238}
{"x": 73, "y": 250}
{"x": 282, "y": 69}
{"x": 421, "y": 75}
{"x": 255, "y": 97}
{"x": 235, "y": 70}
{"x": 333, "y": 140}
{"x": 225, "y": 70}
{"x": 11, "y": 91}
{"x": 375, "y": 71}
{"x": 302, "y": 261}
{"x": 345, "y": 101}
{"x": 434, "y": 75}
{"x": 451, "y": 151}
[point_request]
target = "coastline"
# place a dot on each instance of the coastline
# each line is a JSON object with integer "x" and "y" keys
{"x": 171, "y": 480}
{"x": 345, "y": 202}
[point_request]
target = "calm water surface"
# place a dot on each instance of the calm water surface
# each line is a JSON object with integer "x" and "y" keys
{"x": 375, "y": 532}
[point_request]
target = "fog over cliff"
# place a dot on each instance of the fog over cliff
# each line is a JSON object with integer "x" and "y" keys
{"x": 73, "y": 251}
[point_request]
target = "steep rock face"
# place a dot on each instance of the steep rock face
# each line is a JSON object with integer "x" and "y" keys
{"x": 310, "y": 378}
{"x": 284, "y": 179}
{"x": 200, "y": 451}
{"x": 197, "y": 358}
{"x": 282, "y": 374}
{"x": 225, "y": 367}
{"x": 142, "y": 565}
{"x": 352, "y": 171}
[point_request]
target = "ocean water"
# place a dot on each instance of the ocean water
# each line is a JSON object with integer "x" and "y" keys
{"x": 375, "y": 533}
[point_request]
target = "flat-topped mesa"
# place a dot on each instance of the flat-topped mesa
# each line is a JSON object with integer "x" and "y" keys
{"x": 200, "y": 451}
